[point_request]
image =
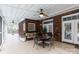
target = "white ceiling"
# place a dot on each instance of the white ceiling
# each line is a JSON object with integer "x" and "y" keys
{"x": 18, "y": 12}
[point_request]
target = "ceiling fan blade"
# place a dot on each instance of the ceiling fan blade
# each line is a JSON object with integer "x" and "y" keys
{"x": 42, "y": 12}
{"x": 45, "y": 14}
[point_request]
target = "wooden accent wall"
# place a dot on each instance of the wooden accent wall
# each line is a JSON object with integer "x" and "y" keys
{"x": 37, "y": 24}
{"x": 57, "y": 24}
{"x": 26, "y": 21}
{"x": 21, "y": 32}
{"x": 57, "y": 28}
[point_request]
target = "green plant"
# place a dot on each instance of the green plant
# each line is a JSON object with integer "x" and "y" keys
{"x": 45, "y": 30}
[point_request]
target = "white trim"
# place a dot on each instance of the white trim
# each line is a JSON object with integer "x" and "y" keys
{"x": 47, "y": 20}
{"x": 74, "y": 28}
{"x": 2, "y": 34}
{"x": 72, "y": 31}
{"x": 66, "y": 10}
{"x": 70, "y": 15}
{"x": 76, "y": 36}
{"x": 2, "y": 31}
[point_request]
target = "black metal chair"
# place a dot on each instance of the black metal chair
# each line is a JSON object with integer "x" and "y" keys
{"x": 37, "y": 39}
{"x": 50, "y": 40}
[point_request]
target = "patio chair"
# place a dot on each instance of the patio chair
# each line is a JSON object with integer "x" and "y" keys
{"x": 36, "y": 39}
{"x": 50, "y": 40}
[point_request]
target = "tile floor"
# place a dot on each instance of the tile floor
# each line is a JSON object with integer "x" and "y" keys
{"x": 12, "y": 45}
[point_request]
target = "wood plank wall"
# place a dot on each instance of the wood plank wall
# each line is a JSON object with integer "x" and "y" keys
{"x": 37, "y": 25}
{"x": 21, "y": 32}
{"x": 26, "y": 21}
{"x": 57, "y": 24}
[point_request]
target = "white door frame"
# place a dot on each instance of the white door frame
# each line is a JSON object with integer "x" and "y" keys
{"x": 48, "y": 24}
{"x": 2, "y": 34}
{"x": 74, "y": 21}
{"x": 72, "y": 31}
{"x": 76, "y": 40}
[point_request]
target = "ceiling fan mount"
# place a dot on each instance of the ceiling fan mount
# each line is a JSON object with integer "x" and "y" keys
{"x": 41, "y": 10}
{"x": 42, "y": 13}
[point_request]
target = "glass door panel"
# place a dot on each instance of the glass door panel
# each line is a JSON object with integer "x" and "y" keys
{"x": 49, "y": 27}
{"x": 0, "y": 30}
{"x": 67, "y": 31}
{"x": 76, "y": 39}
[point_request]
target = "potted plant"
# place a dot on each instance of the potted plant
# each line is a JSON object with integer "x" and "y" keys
{"x": 45, "y": 30}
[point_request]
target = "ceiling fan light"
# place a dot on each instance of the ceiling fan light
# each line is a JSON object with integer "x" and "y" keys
{"x": 41, "y": 15}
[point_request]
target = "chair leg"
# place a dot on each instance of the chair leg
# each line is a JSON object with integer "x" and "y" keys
{"x": 36, "y": 47}
{"x": 33, "y": 44}
{"x": 51, "y": 45}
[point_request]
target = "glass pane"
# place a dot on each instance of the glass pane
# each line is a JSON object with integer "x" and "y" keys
{"x": 64, "y": 19}
{"x": 50, "y": 28}
{"x": 78, "y": 30}
{"x": 74, "y": 17}
{"x": 78, "y": 27}
{"x": 67, "y": 31}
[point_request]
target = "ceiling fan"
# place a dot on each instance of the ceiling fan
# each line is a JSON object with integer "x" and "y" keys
{"x": 42, "y": 13}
